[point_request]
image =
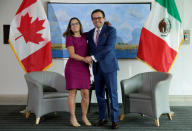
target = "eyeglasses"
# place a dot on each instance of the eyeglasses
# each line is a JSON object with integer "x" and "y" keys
{"x": 73, "y": 24}
{"x": 95, "y": 18}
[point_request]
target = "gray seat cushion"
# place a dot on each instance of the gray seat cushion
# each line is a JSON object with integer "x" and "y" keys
{"x": 139, "y": 96}
{"x": 48, "y": 95}
{"x": 48, "y": 89}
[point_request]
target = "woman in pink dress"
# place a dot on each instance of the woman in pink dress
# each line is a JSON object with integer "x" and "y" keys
{"x": 77, "y": 69}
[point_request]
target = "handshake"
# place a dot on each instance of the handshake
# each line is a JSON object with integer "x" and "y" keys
{"x": 88, "y": 59}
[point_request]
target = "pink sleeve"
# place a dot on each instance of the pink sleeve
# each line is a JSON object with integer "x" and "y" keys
{"x": 69, "y": 41}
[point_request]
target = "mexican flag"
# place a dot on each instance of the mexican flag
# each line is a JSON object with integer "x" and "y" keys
{"x": 161, "y": 36}
{"x": 29, "y": 37}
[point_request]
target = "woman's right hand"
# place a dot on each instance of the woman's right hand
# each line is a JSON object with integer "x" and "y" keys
{"x": 85, "y": 60}
{"x": 88, "y": 59}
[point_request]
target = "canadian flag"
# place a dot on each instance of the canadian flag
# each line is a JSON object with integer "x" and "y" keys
{"x": 29, "y": 37}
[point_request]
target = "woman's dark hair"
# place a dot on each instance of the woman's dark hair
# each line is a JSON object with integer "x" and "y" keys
{"x": 68, "y": 31}
{"x": 98, "y": 10}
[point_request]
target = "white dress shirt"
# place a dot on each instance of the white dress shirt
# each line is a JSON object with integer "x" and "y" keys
{"x": 95, "y": 33}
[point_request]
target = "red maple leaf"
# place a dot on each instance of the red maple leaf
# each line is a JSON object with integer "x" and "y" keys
{"x": 29, "y": 30}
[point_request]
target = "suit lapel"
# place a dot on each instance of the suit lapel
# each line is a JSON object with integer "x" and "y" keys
{"x": 101, "y": 33}
{"x": 102, "y": 30}
{"x": 92, "y": 41}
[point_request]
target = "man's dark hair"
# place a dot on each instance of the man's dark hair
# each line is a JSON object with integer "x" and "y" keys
{"x": 98, "y": 10}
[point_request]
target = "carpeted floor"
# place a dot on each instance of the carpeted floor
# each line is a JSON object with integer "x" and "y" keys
{"x": 12, "y": 120}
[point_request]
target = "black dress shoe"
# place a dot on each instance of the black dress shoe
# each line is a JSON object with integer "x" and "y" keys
{"x": 114, "y": 125}
{"x": 101, "y": 122}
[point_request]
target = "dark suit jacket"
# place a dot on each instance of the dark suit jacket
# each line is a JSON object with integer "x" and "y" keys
{"x": 104, "y": 52}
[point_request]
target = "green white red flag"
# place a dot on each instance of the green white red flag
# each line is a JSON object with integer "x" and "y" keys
{"x": 29, "y": 37}
{"x": 161, "y": 36}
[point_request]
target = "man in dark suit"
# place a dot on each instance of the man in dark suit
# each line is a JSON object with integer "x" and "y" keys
{"x": 101, "y": 42}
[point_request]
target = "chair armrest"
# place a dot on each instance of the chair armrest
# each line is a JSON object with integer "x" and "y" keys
{"x": 34, "y": 87}
{"x": 160, "y": 94}
{"x": 131, "y": 85}
{"x": 162, "y": 87}
{"x": 60, "y": 84}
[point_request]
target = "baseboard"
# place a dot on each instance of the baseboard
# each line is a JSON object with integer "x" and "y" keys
{"x": 13, "y": 99}
{"x": 180, "y": 100}
{"x": 174, "y": 100}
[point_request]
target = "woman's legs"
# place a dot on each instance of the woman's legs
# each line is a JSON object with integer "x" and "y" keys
{"x": 84, "y": 105}
{"x": 71, "y": 104}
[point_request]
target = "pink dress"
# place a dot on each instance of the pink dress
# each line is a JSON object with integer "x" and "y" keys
{"x": 77, "y": 72}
